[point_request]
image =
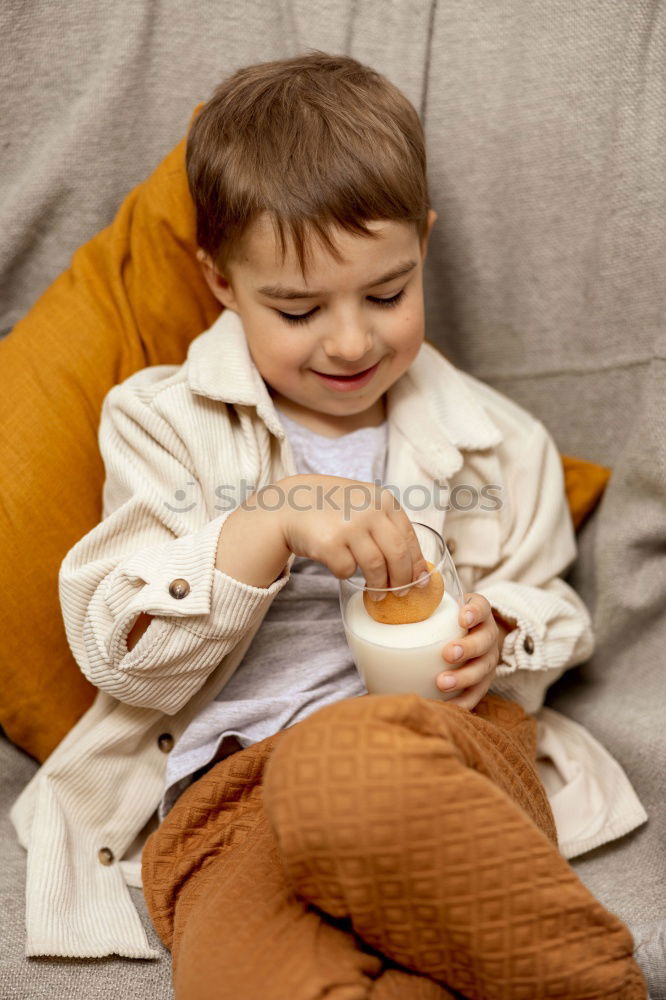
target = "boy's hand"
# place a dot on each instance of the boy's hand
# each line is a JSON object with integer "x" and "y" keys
{"x": 479, "y": 650}
{"x": 344, "y": 523}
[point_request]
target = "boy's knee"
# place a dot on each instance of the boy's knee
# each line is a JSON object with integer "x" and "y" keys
{"x": 406, "y": 710}
{"x": 337, "y": 784}
{"x": 334, "y": 742}
{"x": 377, "y": 750}
{"x": 352, "y": 728}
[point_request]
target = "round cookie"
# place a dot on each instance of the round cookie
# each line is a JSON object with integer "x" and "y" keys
{"x": 417, "y": 605}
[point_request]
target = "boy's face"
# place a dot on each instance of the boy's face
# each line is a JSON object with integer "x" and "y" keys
{"x": 350, "y": 322}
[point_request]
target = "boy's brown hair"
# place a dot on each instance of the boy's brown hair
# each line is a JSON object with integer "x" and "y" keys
{"x": 315, "y": 141}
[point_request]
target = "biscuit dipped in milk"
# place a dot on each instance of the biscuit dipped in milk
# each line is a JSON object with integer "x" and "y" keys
{"x": 406, "y": 657}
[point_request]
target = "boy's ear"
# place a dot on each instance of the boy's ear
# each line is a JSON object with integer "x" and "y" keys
{"x": 432, "y": 215}
{"x": 217, "y": 283}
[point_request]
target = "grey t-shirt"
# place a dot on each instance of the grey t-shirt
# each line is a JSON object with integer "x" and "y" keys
{"x": 291, "y": 668}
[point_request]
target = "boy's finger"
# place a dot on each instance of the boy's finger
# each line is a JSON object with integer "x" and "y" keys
{"x": 464, "y": 677}
{"x": 475, "y": 644}
{"x": 406, "y": 528}
{"x": 470, "y": 697}
{"x": 370, "y": 559}
{"x": 475, "y": 606}
{"x": 395, "y": 550}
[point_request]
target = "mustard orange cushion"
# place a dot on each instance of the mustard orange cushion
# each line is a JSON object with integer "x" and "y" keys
{"x": 585, "y": 483}
{"x": 133, "y": 296}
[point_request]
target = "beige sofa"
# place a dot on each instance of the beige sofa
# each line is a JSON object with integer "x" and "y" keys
{"x": 545, "y": 277}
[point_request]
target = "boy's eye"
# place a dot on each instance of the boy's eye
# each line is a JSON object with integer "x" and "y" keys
{"x": 304, "y": 317}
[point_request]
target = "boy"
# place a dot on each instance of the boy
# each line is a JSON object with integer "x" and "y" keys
{"x": 312, "y": 838}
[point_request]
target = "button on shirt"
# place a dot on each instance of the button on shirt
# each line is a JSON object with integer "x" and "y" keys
{"x": 293, "y": 666}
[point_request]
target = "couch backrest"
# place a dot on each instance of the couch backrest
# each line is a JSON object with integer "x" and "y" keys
{"x": 545, "y": 130}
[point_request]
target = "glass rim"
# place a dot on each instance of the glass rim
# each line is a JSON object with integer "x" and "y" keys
{"x": 388, "y": 590}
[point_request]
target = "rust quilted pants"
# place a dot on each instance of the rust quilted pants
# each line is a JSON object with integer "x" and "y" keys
{"x": 388, "y": 847}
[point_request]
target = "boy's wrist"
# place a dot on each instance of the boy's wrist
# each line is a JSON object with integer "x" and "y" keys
{"x": 504, "y": 627}
{"x": 251, "y": 547}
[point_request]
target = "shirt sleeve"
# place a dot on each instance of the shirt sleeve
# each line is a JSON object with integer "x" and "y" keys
{"x": 553, "y": 626}
{"x": 152, "y": 554}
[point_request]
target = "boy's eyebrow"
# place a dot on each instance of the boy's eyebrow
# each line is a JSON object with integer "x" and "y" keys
{"x": 281, "y": 292}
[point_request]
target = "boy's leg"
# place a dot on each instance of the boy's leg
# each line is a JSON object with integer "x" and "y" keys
{"x": 249, "y": 937}
{"x": 427, "y": 826}
{"x": 218, "y": 896}
{"x": 400, "y": 984}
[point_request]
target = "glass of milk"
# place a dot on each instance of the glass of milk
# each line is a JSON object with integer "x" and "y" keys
{"x": 396, "y": 659}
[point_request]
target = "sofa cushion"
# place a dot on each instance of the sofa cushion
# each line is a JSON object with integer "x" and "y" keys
{"x": 133, "y": 296}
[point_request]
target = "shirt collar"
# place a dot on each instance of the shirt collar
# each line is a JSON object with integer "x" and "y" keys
{"x": 431, "y": 404}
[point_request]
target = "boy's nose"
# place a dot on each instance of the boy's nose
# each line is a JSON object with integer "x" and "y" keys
{"x": 351, "y": 344}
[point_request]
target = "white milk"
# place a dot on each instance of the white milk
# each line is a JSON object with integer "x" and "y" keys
{"x": 393, "y": 659}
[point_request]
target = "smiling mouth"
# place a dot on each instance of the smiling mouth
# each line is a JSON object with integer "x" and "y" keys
{"x": 348, "y": 375}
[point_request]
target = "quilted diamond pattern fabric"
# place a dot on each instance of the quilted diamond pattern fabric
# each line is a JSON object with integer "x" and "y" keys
{"x": 386, "y": 846}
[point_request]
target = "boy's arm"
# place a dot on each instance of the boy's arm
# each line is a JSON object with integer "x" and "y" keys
{"x": 131, "y": 564}
{"x": 250, "y": 549}
{"x": 549, "y": 627}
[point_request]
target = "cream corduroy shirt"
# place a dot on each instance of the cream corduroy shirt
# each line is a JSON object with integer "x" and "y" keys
{"x": 178, "y": 444}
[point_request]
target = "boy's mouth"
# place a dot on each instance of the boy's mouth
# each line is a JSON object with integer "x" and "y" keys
{"x": 348, "y": 381}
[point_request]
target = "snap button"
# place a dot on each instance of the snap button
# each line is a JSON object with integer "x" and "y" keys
{"x": 179, "y": 588}
{"x": 105, "y": 855}
{"x": 528, "y": 644}
{"x": 451, "y": 545}
{"x": 165, "y": 742}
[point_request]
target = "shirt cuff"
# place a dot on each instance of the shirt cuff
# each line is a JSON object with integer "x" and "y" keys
{"x": 179, "y": 581}
{"x": 233, "y": 608}
{"x": 523, "y": 648}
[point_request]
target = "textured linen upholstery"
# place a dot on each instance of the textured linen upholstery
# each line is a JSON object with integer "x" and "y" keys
{"x": 545, "y": 129}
